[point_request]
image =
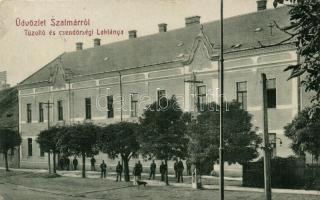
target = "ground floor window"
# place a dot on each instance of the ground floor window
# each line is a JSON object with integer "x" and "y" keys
{"x": 29, "y": 146}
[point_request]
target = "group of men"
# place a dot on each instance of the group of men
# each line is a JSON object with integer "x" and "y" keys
{"x": 64, "y": 163}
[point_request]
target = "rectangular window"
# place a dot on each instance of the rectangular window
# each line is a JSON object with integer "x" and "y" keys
{"x": 110, "y": 106}
{"x": 29, "y": 113}
{"x": 271, "y": 93}
{"x": 88, "y": 108}
{"x": 273, "y": 143}
{"x": 41, "y": 112}
{"x": 201, "y": 97}
{"x": 60, "y": 111}
{"x": 161, "y": 94}
{"x": 41, "y": 153}
{"x": 242, "y": 94}
{"x": 134, "y": 104}
{"x": 29, "y": 146}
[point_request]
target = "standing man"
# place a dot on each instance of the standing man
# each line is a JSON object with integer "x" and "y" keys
{"x": 75, "y": 163}
{"x": 93, "y": 164}
{"x": 175, "y": 167}
{"x": 188, "y": 163}
{"x": 139, "y": 170}
{"x": 180, "y": 170}
{"x": 119, "y": 170}
{"x": 162, "y": 170}
{"x": 68, "y": 163}
{"x": 103, "y": 168}
{"x": 152, "y": 170}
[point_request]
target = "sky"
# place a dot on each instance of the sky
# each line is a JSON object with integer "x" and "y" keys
{"x": 22, "y": 55}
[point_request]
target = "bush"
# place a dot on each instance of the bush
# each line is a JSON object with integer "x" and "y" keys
{"x": 285, "y": 173}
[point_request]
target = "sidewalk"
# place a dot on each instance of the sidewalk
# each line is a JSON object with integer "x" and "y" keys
{"x": 96, "y": 174}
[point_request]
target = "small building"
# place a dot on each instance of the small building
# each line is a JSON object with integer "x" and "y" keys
{"x": 86, "y": 85}
{"x": 9, "y": 118}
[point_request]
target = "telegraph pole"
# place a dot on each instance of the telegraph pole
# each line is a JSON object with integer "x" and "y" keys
{"x": 194, "y": 82}
{"x": 121, "y": 103}
{"x": 221, "y": 81}
{"x": 48, "y": 105}
{"x": 266, "y": 145}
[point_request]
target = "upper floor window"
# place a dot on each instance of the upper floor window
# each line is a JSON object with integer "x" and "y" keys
{"x": 161, "y": 94}
{"x": 88, "y": 108}
{"x": 242, "y": 94}
{"x": 271, "y": 93}
{"x": 201, "y": 97}
{"x": 29, "y": 113}
{"x": 134, "y": 104}
{"x": 60, "y": 110}
{"x": 41, "y": 118}
{"x": 110, "y": 106}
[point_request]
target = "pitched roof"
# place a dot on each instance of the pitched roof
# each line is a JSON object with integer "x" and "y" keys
{"x": 242, "y": 31}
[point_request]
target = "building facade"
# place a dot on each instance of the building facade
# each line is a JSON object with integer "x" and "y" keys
{"x": 87, "y": 85}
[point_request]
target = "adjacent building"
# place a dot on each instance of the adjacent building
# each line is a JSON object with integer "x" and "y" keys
{"x": 87, "y": 85}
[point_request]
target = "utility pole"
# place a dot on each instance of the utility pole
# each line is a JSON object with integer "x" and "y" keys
{"x": 194, "y": 81}
{"x": 121, "y": 99}
{"x": 266, "y": 144}
{"x": 48, "y": 105}
{"x": 221, "y": 85}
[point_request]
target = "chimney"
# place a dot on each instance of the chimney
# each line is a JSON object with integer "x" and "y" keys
{"x": 79, "y": 46}
{"x": 132, "y": 34}
{"x": 162, "y": 27}
{"x": 96, "y": 42}
{"x": 261, "y": 5}
{"x": 192, "y": 20}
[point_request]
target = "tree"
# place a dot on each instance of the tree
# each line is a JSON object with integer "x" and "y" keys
{"x": 120, "y": 139}
{"x": 80, "y": 140}
{"x": 163, "y": 131}
{"x": 304, "y": 132}
{"x": 304, "y": 28}
{"x": 241, "y": 142}
{"x": 49, "y": 141}
{"x": 9, "y": 139}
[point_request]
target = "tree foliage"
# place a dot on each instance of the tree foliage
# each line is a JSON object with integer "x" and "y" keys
{"x": 304, "y": 132}
{"x": 163, "y": 131}
{"x": 120, "y": 139}
{"x": 80, "y": 140}
{"x": 241, "y": 142}
{"x": 305, "y": 27}
{"x": 49, "y": 141}
{"x": 9, "y": 139}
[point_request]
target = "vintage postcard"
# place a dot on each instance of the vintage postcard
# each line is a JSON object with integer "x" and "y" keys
{"x": 159, "y": 99}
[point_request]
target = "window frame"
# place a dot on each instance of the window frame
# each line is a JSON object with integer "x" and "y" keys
{"x": 88, "y": 108}
{"x": 60, "y": 110}
{"x": 29, "y": 140}
{"x": 134, "y": 101}
{"x": 41, "y": 113}
{"x": 29, "y": 113}
{"x": 271, "y": 91}
{"x": 241, "y": 93}
{"x": 110, "y": 112}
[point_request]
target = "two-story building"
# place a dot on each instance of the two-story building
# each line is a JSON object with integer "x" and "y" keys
{"x": 87, "y": 84}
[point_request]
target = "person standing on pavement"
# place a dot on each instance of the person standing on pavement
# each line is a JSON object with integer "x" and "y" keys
{"x": 175, "y": 168}
{"x": 135, "y": 174}
{"x": 119, "y": 169}
{"x": 103, "y": 168}
{"x": 162, "y": 170}
{"x": 180, "y": 168}
{"x": 75, "y": 163}
{"x": 153, "y": 167}
{"x": 67, "y": 163}
{"x": 188, "y": 163}
{"x": 139, "y": 170}
{"x": 93, "y": 164}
